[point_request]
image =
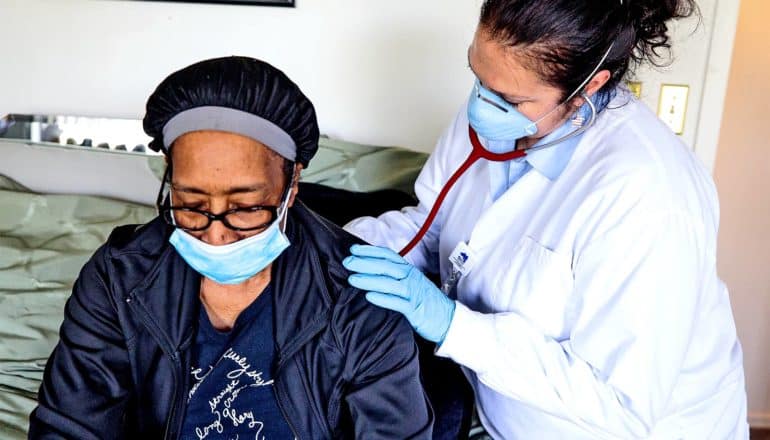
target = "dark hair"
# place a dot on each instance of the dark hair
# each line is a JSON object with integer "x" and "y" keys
{"x": 565, "y": 39}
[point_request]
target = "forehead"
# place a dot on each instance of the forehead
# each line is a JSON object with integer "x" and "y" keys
{"x": 213, "y": 162}
{"x": 502, "y": 68}
{"x": 211, "y": 149}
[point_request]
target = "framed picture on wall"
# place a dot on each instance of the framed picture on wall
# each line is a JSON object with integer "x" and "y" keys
{"x": 289, "y": 3}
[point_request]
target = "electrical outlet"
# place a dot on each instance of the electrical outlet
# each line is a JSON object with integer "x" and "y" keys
{"x": 672, "y": 106}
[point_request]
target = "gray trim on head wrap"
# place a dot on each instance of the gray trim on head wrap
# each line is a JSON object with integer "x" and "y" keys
{"x": 232, "y": 121}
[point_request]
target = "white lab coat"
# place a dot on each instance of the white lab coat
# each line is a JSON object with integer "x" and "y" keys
{"x": 593, "y": 309}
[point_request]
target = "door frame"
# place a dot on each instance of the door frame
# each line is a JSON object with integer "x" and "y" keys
{"x": 723, "y": 30}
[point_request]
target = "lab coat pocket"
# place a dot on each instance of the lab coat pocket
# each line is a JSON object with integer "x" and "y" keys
{"x": 538, "y": 285}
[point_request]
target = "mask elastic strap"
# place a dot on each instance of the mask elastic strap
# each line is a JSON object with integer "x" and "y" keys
{"x": 164, "y": 183}
{"x": 573, "y": 134}
{"x": 171, "y": 203}
{"x": 579, "y": 89}
{"x": 590, "y": 77}
{"x": 284, "y": 208}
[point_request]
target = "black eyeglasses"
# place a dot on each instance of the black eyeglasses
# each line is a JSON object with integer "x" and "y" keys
{"x": 249, "y": 218}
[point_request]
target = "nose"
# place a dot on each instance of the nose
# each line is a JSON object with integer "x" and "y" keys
{"x": 217, "y": 234}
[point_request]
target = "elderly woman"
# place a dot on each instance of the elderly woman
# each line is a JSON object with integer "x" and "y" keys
{"x": 229, "y": 315}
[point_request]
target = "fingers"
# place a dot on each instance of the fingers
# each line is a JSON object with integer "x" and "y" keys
{"x": 389, "y": 302}
{"x": 379, "y": 283}
{"x": 376, "y": 266}
{"x": 376, "y": 252}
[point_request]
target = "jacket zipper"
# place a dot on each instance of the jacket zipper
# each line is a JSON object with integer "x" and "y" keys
{"x": 278, "y": 369}
{"x": 280, "y": 404}
{"x": 168, "y": 350}
{"x": 177, "y": 400}
{"x": 276, "y": 380}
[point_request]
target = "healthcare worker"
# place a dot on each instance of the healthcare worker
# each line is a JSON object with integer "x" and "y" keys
{"x": 579, "y": 284}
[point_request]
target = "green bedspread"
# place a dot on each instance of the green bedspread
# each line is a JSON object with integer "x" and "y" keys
{"x": 44, "y": 241}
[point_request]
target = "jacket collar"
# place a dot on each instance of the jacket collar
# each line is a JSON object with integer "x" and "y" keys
{"x": 302, "y": 300}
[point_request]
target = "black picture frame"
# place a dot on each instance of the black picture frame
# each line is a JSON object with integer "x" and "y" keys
{"x": 281, "y": 3}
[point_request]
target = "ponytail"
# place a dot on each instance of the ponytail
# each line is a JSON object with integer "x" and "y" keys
{"x": 563, "y": 40}
{"x": 649, "y": 20}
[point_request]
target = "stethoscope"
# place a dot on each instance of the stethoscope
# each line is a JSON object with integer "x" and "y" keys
{"x": 479, "y": 152}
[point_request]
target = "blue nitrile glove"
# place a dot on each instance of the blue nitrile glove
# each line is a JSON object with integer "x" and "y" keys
{"x": 393, "y": 283}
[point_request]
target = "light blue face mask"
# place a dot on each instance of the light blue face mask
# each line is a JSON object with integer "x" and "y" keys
{"x": 500, "y": 123}
{"x": 236, "y": 262}
{"x": 495, "y": 119}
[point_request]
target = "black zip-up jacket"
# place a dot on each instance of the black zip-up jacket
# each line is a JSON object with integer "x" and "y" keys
{"x": 344, "y": 368}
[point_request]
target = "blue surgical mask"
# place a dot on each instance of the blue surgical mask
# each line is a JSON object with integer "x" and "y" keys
{"x": 495, "y": 119}
{"x": 236, "y": 262}
{"x": 500, "y": 123}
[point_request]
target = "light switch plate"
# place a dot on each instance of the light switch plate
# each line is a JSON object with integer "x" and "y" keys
{"x": 635, "y": 87}
{"x": 672, "y": 106}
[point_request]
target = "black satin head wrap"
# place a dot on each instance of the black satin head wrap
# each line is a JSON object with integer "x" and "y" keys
{"x": 239, "y": 83}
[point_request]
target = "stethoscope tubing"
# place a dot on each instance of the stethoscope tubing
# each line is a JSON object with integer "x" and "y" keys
{"x": 479, "y": 152}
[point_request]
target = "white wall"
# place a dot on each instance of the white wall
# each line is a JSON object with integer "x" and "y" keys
{"x": 382, "y": 72}
{"x": 690, "y": 50}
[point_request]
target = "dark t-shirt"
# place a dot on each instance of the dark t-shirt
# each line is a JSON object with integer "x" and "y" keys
{"x": 232, "y": 395}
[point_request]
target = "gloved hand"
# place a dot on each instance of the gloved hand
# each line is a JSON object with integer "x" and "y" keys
{"x": 393, "y": 283}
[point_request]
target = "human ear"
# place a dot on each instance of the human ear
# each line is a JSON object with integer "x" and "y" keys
{"x": 593, "y": 86}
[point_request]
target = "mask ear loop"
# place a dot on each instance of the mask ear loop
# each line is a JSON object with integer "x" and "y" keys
{"x": 579, "y": 90}
{"x": 572, "y": 134}
{"x": 284, "y": 207}
{"x": 163, "y": 194}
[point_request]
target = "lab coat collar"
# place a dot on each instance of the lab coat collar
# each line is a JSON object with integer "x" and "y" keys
{"x": 552, "y": 161}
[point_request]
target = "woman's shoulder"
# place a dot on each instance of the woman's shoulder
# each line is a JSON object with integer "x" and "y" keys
{"x": 631, "y": 155}
{"x": 629, "y": 142}
{"x": 627, "y": 132}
